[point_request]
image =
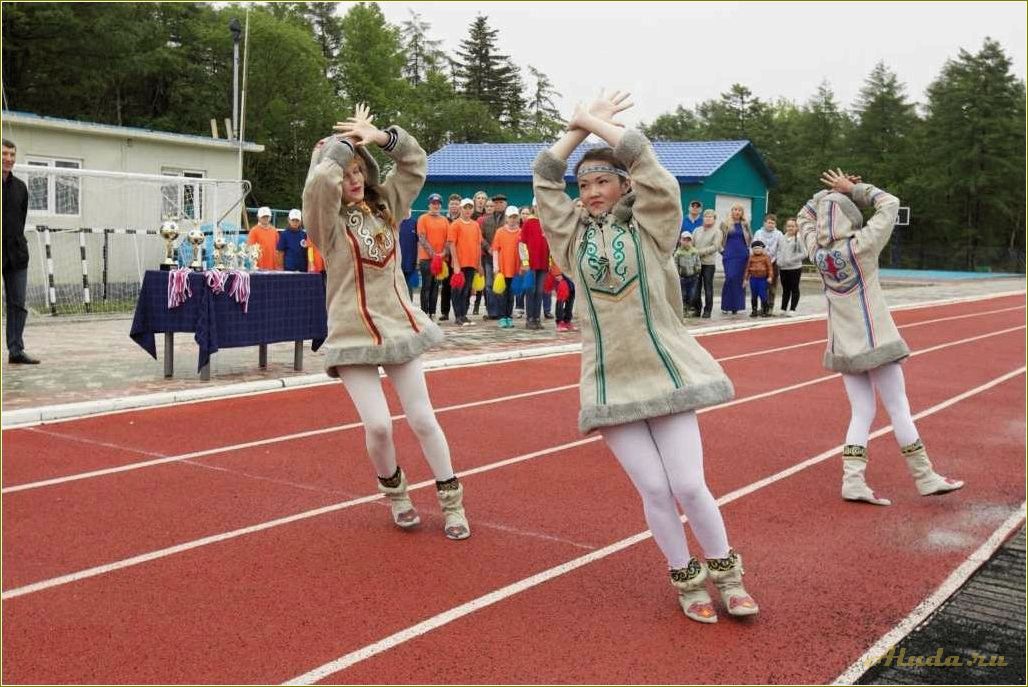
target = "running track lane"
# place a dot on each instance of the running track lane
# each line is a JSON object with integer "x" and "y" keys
{"x": 831, "y": 578}
{"x": 142, "y": 434}
{"x": 112, "y": 442}
{"x": 180, "y": 502}
{"x": 413, "y": 551}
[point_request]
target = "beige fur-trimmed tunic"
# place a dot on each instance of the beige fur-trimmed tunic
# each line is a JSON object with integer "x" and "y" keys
{"x": 861, "y": 332}
{"x": 638, "y": 359}
{"x": 371, "y": 320}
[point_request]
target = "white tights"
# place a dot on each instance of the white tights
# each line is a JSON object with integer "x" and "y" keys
{"x": 664, "y": 459}
{"x": 887, "y": 381}
{"x": 365, "y": 388}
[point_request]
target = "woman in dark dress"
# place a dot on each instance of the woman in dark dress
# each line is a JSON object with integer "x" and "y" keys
{"x": 735, "y": 253}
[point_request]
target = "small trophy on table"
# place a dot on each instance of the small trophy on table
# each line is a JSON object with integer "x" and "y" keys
{"x": 169, "y": 232}
{"x": 220, "y": 244}
{"x": 196, "y": 238}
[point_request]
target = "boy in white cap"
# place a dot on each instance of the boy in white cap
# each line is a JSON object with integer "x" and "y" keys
{"x": 266, "y": 236}
{"x": 292, "y": 245}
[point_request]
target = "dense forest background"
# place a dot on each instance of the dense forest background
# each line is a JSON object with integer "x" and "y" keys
{"x": 958, "y": 159}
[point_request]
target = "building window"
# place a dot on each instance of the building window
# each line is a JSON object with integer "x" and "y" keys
{"x": 182, "y": 200}
{"x": 54, "y": 194}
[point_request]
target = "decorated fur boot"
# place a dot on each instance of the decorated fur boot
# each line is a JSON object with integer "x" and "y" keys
{"x": 395, "y": 489}
{"x": 854, "y": 487}
{"x": 727, "y": 576}
{"x": 451, "y": 500}
{"x": 691, "y": 584}
{"x": 927, "y": 480}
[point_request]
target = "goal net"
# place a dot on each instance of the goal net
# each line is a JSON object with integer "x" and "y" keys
{"x": 93, "y": 234}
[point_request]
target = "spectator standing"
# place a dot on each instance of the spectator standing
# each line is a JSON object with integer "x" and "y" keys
{"x": 409, "y": 251}
{"x": 758, "y": 273}
{"x": 464, "y": 242}
{"x": 432, "y": 229}
{"x": 539, "y": 264}
{"x": 770, "y": 235}
{"x": 507, "y": 261}
{"x": 688, "y": 262}
{"x": 790, "y": 266}
{"x": 481, "y": 198}
{"x": 565, "y": 307}
{"x": 16, "y": 258}
{"x": 292, "y": 245}
{"x": 490, "y": 222}
{"x": 735, "y": 251}
{"x": 265, "y": 236}
{"x": 694, "y": 220}
{"x": 707, "y": 240}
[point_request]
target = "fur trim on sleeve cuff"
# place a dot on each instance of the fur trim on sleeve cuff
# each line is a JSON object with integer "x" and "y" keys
{"x": 631, "y": 146}
{"x": 862, "y": 193}
{"x": 549, "y": 166}
{"x": 340, "y": 152}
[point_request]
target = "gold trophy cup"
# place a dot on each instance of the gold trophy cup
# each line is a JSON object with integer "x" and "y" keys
{"x": 196, "y": 238}
{"x": 169, "y": 232}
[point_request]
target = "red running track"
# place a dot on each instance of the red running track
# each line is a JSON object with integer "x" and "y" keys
{"x": 275, "y": 603}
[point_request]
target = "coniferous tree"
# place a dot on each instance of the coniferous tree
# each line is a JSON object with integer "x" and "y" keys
{"x": 974, "y": 154}
{"x": 881, "y": 141}
{"x": 480, "y": 73}
{"x": 424, "y": 54}
{"x": 544, "y": 117}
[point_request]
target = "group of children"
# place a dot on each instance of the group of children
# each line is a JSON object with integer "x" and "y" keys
{"x": 775, "y": 258}
{"x": 289, "y": 249}
{"x": 499, "y": 252}
{"x": 643, "y": 375}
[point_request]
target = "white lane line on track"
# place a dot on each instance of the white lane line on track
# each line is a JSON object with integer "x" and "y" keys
{"x": 902, "y": 326}
{"x": 129, "y": 404}
{"x": 352, "y": 658}
{"x": 224, "y": 536}
{"x": 163, "y": 460}
{"x": 924, "y": 609}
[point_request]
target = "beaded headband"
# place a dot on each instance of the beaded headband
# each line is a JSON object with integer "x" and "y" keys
{"x": 606, "y": 169}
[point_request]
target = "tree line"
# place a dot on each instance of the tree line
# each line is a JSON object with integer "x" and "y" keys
{"x": 958, "y": 160}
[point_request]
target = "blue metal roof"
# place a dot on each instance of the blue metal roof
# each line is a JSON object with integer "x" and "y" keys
{"x": 689, "y": 161}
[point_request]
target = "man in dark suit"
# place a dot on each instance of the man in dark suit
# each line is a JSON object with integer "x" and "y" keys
{"x": 16, "y": 257}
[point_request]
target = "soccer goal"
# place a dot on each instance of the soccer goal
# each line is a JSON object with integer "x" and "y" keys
{"x": 93, "y": 234}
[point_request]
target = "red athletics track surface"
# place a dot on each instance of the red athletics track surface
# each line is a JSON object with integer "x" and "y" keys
{"x": 278, "y": 601}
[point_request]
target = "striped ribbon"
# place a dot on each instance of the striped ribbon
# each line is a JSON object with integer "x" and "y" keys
{"x": 240, "y": 289}
{"x": 178, "y": 287}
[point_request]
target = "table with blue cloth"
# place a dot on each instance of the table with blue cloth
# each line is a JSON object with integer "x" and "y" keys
{"x": 283, "y": 306}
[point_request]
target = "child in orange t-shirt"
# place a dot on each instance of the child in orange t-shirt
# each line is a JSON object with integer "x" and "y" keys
{"x": 464, "y": 243}
{"x": 507, "y": 258}
{"x": 265, "y": 236}
{"x": 432, "y": 230}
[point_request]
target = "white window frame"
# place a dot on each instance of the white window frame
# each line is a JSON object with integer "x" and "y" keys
{"x": 51, "y": 184}
{"x": 198, "y": 194}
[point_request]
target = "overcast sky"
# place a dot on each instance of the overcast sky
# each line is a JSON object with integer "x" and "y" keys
{"x": 671, "y": 53}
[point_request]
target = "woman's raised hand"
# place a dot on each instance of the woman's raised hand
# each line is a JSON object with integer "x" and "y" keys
{"x": 837, "y": 180}
{"x": 359, "y": 128}
{"x": 607, "y": 105}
